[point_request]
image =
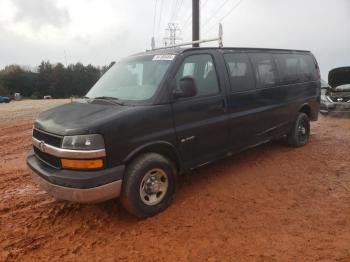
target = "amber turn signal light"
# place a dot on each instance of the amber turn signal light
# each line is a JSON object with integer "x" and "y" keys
{"x": 82, "y": 164}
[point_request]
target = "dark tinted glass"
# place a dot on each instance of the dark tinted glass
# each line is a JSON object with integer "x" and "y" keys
{"x": 240, "y": 71}
{"x": 308, "y": 71}
{"x": 265, "y": 69}
{"x": 294, "y": 68}
{"x": 288, "y": 68}
{"x": 202, "y": 69}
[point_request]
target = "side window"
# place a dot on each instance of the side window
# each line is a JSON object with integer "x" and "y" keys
{"x": 202, "y": 69}
{"x": 265, "y": 69}
{"x": 240, "y": 71}
{"x": 307, "y": 70}
{"x": 288, "y": 65}
{"x": 294, "y": 68}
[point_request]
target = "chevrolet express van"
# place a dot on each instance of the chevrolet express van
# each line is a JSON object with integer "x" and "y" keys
{"x": 157, "y": 114}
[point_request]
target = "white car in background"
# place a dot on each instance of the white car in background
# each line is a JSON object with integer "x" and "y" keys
{"x": 335, "y": 96}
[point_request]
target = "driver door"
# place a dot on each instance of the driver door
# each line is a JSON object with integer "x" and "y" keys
{"x": 201, "y": 121}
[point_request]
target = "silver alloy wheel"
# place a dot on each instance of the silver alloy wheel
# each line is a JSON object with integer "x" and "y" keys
{"x": 154, "y": 186}
{"x": 303, "y": 131}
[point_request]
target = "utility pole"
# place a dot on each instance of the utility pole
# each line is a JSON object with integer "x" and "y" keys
{"x": 195, "y": 21}
{"x": 173, "y": 29}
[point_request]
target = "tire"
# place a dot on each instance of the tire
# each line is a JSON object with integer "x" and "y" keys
{"x": 149, "y": 185}
{"x": 300, "y": 132}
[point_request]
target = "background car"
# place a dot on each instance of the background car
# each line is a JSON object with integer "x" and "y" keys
{"x": 5, "y": 99}
{"x": 325, "y": 85}
{"x": 335, "y": 98}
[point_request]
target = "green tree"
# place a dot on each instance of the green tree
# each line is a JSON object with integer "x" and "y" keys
{"x": 55, "y": 80}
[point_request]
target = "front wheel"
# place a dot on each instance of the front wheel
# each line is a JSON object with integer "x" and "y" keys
{"x": 300, "y": 132}
{"x": 148, "y": 185}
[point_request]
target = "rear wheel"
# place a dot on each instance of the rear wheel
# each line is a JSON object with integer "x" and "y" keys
{"x": 300, "y": 132}
{"x": 148, "y": 185}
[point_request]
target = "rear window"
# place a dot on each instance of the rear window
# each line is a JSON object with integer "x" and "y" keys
{"x": 240, "y": 71}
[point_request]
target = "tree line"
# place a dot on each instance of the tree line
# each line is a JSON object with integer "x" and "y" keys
{"x": 50, "y": 79}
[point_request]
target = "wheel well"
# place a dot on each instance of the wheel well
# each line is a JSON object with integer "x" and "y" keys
{"x": 306, "y": 109}
{"x": 163, "y": 149}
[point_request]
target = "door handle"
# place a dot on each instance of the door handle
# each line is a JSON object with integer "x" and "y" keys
{"x": 223, "y": 106}
{"x": 220, "y": 107}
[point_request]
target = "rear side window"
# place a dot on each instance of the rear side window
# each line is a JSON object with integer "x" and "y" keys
{"x": 202, "y": 69}
{"x": 307, "y": 71}
{"x": 289, "y": 67}
{"x": 240, "y": 71}
{"x": 265, "y": 69}
{"x": 294, "y": 68}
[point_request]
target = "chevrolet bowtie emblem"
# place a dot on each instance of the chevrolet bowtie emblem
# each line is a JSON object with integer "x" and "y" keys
{"x": 42, "y": 146}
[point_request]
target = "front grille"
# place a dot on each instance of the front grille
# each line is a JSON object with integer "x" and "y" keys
{"x": 48, "y": 138}
{"x": 344, "y": 99}
{"x": 48, "y": 159}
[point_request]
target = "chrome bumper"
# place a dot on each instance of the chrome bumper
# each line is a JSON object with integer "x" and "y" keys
{"x": 90, "y": 195}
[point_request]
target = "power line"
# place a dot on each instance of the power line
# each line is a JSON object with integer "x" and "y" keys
{"x": 204, "y": 4}
{"x": 227, "y": 14}
{"x": 177, "y": 12}
{"x": 238, "y": 4}
{"x": 215, "y": 13}
{"x": 160, "y": 17}
{"x": 173, "y": 9}
{"x": 155, "y": 16}
{"x": 189, "y": 18}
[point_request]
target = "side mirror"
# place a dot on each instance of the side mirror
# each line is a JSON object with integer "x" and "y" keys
{"x": 187, "y": 88}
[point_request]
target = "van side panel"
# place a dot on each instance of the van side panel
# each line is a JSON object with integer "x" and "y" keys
{"x": 261, "y": 112}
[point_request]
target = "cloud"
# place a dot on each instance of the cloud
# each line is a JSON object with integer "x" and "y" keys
{"x": 39, "y": 13}
{"x": 97, "y": 32}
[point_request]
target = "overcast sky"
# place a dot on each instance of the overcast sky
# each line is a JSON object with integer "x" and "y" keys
{"x": 101, "y": 31}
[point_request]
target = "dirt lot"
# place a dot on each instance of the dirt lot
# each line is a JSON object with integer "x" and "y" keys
{"x": 271, "y": 203}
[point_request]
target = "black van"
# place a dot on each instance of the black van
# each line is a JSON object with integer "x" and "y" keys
{"x": 159, "y": 113}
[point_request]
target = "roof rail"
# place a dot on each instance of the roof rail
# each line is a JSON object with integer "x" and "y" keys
{"x": 219, "y": 39}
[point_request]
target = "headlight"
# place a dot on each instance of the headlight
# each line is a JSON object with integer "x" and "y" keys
{"x": 326, "y": 98}
{"x": 83, "y": 142}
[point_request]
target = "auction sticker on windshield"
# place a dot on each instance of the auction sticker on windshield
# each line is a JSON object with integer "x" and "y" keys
{"x": 163, "y": 57}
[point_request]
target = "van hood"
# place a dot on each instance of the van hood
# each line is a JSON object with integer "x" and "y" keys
{"x": 339, "y": 76}
{"x": 78, "y": 118}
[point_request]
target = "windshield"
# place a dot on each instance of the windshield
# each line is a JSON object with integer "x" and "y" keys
{"x": 136, "y": 78}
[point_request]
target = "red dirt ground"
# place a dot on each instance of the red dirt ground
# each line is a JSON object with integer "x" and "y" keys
{"x": 271, "y": 203}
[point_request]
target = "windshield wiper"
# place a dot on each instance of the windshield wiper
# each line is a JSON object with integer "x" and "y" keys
{"x": 110, "y": 99}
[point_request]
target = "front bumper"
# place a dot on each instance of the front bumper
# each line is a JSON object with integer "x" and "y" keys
{"x": 335, "y": 108}
{"x": 76, "y": 186}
